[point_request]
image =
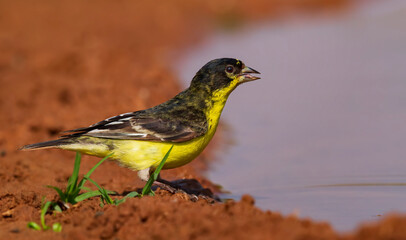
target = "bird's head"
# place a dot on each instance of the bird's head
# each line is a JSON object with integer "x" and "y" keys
{"x": 221, "y": 76}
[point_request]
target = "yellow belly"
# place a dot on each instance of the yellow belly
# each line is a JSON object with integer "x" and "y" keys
{"x": 138, "y": 155}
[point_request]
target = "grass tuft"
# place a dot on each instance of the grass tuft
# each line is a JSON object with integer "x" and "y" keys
{"x": 71, "y": 194}
{"x": 56, "y": 227}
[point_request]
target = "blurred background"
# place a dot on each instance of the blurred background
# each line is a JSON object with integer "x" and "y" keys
{"x": 321, "y": 135}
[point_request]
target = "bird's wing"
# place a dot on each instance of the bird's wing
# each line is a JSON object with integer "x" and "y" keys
{"x": 139, "y": 127}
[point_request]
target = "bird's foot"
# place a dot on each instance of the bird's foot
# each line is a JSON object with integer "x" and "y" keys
{"x": 166, "y": 187}
{"x": 190, "y": 187}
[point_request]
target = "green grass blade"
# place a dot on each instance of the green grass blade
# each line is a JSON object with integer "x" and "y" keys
{"x": 94, "y": 183}
{"x": 86, "y": 189}
{"x": 57, "y": 227}
{"x": 73, "y": 195}
{"x": 106, "y": 196}
{"x": 83, "y": 181}
{"x": 61, "y": 194}
{"x": 57, "y": 208}
{"x": 118, "y": 201}
{"x": 160, "y": 166}
{"x": 87, "y": 195}
{"x": 34, "y": 225}
{"x": 147, "y": 188}
{"x": 130, "y": 195}
{"x": 102, "y": 191}
{"x": 43, "y": 212}
{"x": 101, "y": 202}
{"x": 90, "y": 194}
{"x": 73, "y": 180}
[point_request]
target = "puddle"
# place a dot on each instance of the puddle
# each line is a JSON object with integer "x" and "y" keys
{"x": 323, "y": 133}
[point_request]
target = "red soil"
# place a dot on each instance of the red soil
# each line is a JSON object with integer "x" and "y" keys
{"x": 65, "y": 65}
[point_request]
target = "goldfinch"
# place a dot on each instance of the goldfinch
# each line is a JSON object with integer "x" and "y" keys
{"x": 139, "y": 140}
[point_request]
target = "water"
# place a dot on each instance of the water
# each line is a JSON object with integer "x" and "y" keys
{"x": 323, "y": 133}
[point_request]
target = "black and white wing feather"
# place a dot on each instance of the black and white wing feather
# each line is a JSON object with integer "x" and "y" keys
{"x": 138, "y": 126}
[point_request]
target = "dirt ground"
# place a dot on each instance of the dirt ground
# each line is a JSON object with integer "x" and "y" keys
{"x": 65, "y": 64}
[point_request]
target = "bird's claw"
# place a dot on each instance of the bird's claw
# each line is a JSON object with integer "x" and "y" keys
{"x": 190, "y": 187}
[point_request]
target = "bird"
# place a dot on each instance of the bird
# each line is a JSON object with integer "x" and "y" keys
{"x": 139, "y": 140}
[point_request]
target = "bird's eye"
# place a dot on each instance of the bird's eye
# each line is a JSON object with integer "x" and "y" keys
{"x": 229, "y": 69}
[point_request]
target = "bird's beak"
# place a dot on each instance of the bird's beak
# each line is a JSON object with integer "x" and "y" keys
{"x": 246, "y": 75}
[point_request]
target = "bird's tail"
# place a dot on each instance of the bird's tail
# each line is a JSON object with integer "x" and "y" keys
{"x": 48, "y": 144}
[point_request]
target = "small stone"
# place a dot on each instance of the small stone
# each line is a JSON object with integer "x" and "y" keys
{"x": 248, "y": 199}
{"x": 15, "y": 230}
{"x": 193, "y": 198}
{"x": 98, "y": 214}
{"x": 8, "y": 213}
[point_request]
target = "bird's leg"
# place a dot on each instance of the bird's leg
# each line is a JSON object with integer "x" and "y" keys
{"x": 166, "y": 182}
{"x": 144, "y": 174}
{"x": 191, "y": 187}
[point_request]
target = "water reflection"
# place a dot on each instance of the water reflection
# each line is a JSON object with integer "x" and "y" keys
{"x": 329, "y": 109}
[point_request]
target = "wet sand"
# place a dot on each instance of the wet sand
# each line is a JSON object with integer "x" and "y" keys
{"x": 65, "y": 65}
